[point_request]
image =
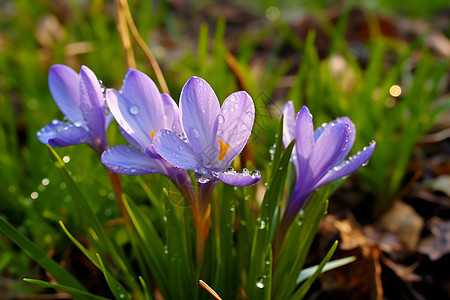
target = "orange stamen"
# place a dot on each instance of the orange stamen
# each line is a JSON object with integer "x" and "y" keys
{"x": 152, "y": 133}
{"x": 223, "y": 149}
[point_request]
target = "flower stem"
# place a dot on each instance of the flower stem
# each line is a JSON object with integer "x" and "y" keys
{"x": 202, "y": 216}
{"x": 116, "y": 184}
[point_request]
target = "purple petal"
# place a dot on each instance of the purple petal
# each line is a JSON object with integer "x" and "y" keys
{"x": 60, "y": 134}
{"x": 92, "y": 104}
{"x": 64, "y": 87}
{"x": 239, "y": 179}
{"x": 173, "y": 149}
{"x": 199, "y": 109}
{"x": 235, "y": 120}
{"x": 144, "y": 103}
{"x": 329, "y": 147}
{"x": 171, "y": 114}
{"x": 288, "y": 113}
{"x": 348, "y": 166}
{"x": 351, "y": 138}
{"x": 138, "y": 132}
{"x": 304, "y": 143}
{"x": 127, "y": 160}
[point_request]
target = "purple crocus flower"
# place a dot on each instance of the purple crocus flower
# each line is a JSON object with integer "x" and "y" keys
{"x": 141, "y": 110}
{"x": 318, "y": 155}
{"x": 214, "y": 135}
{"x": 80, "y": 98}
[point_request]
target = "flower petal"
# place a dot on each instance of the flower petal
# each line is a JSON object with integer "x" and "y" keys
{"x": 288, "y": 113}
{"x": 63, "y": 84}
{"x": 127, "y": 160}
{"x": 235, "y": 120}
{"x": 145, "y": 104}
{"x": 348, "y": 166}
{"x": 171, "y": 114}
{"x": 60, "y": 134}
{"x": 199, "y": 109}
{"x": 173, "y": 149}
{"x": 329, "y": 147}
{"x": 137, "y": 133}
{"x": 92, "y": 104}
{"x": 239, "y": 179}
{"x": 304, "y": 143}
{"x": 351, "y": 137}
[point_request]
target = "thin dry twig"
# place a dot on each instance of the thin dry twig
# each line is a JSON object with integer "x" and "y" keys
{"x": 122, "y": 28}
{"x": 209, "y": 289}
{"x": 148, "y": 53}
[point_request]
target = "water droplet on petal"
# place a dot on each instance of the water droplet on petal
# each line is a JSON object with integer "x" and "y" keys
{"x": 249, "y": 115}
{"x": 221, "y": 119}
{"x": 256, "y": 173}
{"x": 229, "y": 170}
{"x": 55, "y": 122}
{"x": 232, "y": 109}
{"x": 200, "y": 82}
{"x": 201, "y": 178}
{"x": 134, "y": 110}
{"x": 195, "y": 132}
{"x": 132, "y": 170}
{"x": 245, "y": 172}
{"x": 180, "y": 147}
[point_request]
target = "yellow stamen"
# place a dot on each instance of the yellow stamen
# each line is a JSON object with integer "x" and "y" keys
{"x": 152, "y": 133}
{"x": 223, "y": 149}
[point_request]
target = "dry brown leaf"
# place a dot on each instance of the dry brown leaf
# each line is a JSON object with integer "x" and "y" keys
{"x": 438, "y": 243}
{"x": 405, "y": 222}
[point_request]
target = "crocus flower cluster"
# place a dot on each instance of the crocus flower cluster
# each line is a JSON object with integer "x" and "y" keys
{"x": 206, "y": 140}
{"x": 80, "y": 98}
{"x": 318, "y": 156}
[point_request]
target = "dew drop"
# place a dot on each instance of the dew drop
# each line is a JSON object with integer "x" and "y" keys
{"x": 66, "y": 159}
{"x": 232, "y": 109}
{"x": 55, "y": 122}
{"x": 245, "y": 172}
{"x": 256, "y": 173}
{"x": 208, "y": 165}
{"x": 260, "y": 223}
{"x": 221, "y": 119}
{"x": 244, "y": 126}
{"x": 134, "y": 110}
{"x": 34, "y": 195}
{"x": 200, "y": 82}
{"x": 260, "y": 283}
{"x": 180, "y": 147}
{"x": 229, "y": 170}
{"x": 132, "y": 170}
{"x": 45, "y": 181}
{"x": 201, "y": 178}
{"x": 249, "y": 115}
{"x": 195, "y": 132}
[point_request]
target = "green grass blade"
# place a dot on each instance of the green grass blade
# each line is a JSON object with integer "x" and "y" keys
{"x": 65, "y": 288}
{"x": 30, "y": 248}
{"x": 300, "y": 293}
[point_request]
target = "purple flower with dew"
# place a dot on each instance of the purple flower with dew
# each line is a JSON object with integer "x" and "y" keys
{"x": 80, "y": 98}
{"x": 214, "y": 135}
{"x": 318, "y": 156}
{"x": 141, "y": 110}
